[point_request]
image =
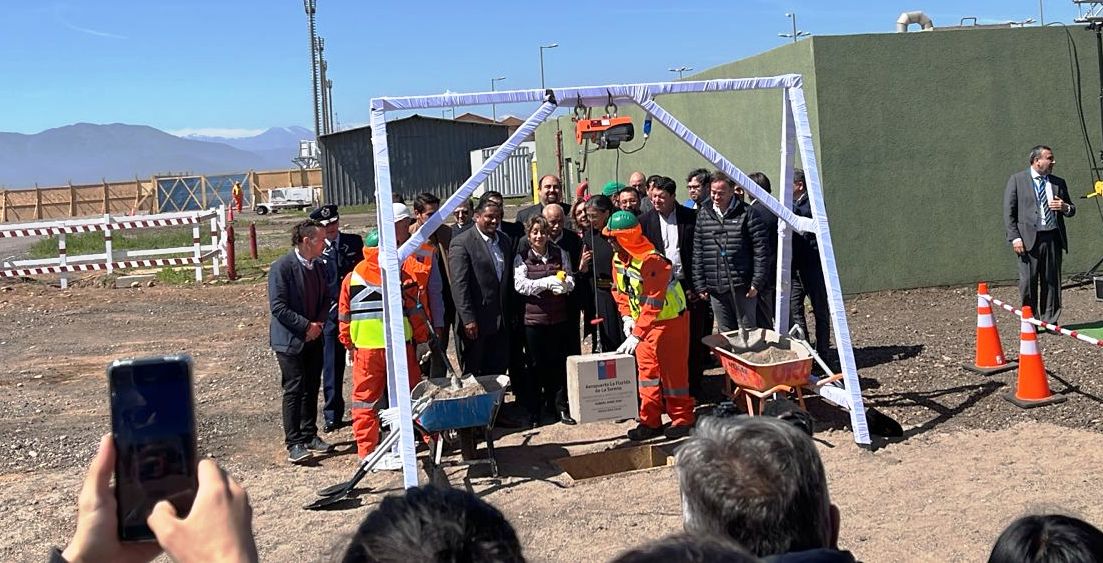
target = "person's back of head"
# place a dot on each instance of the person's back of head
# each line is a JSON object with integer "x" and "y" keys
{"x": 686, "y": 548}
{"x": 758, "y": 481}
{"x": 1050, "y": 538}
{"x": 434, "y": 525}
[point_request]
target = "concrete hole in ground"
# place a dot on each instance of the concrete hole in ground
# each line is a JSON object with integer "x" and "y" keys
{"x": 612, "y": 462}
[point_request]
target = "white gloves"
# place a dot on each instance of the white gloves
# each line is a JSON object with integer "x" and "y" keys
{"x": 628, "y": 323}
{"x": 553, "y": 284}
{"x": 629, "y": 346}
{"x": 389, "y": 416}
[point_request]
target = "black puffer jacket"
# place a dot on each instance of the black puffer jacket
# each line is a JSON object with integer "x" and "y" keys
{"x": 741, "y": 235}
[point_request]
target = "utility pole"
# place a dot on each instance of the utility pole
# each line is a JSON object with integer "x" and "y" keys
{"x": 322, "y": 68}
{"x": 311, "y": 8}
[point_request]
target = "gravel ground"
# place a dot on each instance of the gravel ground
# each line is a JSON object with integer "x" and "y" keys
{"x": 968, "y": 464}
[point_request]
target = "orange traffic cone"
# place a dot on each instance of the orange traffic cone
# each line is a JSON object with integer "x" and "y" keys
{"x": 1032, "y": 389}
{"x": 990, "y": 358}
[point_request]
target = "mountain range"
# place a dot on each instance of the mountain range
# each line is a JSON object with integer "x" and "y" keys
{"x": 87, "y": 153}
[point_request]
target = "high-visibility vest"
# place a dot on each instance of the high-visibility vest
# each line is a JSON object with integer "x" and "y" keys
{"x": 630, "y": 282}
{"x": 366, "y": 314}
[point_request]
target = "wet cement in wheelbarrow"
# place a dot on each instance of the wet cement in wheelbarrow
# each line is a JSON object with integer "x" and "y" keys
{"x": 769, "y": 356}
{"x": 763, "y": 353}
{"x": 441, "y": 388}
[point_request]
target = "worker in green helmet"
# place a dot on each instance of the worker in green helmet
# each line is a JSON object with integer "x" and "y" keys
{"x": 360, "y": 314}
{"x": 653, "y": 312}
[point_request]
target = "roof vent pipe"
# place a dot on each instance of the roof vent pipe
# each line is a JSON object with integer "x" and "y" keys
{"x": 908, "y": 18}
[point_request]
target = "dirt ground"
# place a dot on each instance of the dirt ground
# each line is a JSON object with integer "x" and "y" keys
{"x": 970, "y": 461}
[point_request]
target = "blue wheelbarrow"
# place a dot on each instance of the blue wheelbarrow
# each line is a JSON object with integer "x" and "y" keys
{"x": 458, "y": 415}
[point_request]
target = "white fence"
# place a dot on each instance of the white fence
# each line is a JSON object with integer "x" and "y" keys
{"x": 513, "y": 178}
{"x": 111, "y": 260}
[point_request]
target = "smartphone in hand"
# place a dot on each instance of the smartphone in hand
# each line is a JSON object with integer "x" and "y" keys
{"x": 153, "y": 425}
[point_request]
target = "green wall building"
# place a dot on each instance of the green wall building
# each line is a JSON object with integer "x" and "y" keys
{"x": 916, "y": 135}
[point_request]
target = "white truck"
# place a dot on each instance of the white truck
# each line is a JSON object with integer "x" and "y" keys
{"x": 286, "y": 198}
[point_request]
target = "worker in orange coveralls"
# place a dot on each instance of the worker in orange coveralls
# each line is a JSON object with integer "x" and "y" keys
{"x": 653, "y": 311}
{"x": 360, "y": 316}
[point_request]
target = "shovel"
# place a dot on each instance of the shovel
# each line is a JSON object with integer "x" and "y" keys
{"x": 743, "y": 340}
{"x": 339, "y": 492}
{"x": 436, "y": 348}
{"x": 743, "y": 337}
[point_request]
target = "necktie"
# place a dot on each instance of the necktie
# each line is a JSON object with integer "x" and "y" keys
{"x": 1043, "y": 201}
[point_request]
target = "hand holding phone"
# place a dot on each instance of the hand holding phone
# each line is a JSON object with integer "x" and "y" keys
{"x": 97, "y": 536}
{"x": 153, "y": 426}
{"x": 219, "y": 528}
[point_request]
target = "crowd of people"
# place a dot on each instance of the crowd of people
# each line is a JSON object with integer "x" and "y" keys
{"x": 752, "y": 489}
{"x": 629, "y": 268}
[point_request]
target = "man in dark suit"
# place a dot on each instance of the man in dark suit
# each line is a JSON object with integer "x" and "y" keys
{"x": 766, "y": 296}
{"x": 515, "y": 232}
{"x": 670, "y": 227}
{"x": 1035, "y": 205}
{"x": 299, "y": 305}
{"x": 340, "y": 256}
{"x": 480, "y": 260}
{"x": 807, "y": 275}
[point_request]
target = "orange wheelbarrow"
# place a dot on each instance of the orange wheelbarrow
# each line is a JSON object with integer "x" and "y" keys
{"x": 776, "y": 364}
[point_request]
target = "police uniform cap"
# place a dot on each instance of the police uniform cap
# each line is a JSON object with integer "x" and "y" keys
{"x": 325, "y": 214}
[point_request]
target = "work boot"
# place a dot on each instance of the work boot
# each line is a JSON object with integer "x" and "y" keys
{"x": 643, "y": 433}
{"x": 677, "y": 432}
{"x": 319, "y": 445}
{"x": 297, "y": 453}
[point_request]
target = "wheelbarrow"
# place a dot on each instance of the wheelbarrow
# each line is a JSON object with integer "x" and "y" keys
{"x": 773, "y": 363}
{"x": 461, "y": 414}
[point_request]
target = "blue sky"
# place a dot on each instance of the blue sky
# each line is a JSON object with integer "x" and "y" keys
{"x": 238, "y": 67}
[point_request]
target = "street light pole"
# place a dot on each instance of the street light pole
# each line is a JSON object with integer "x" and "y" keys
{"x": 796, "y": 34}
{"x": 680, "y": 70}
{"x": 542, "y": 47}
{"x": 493, "y": 108}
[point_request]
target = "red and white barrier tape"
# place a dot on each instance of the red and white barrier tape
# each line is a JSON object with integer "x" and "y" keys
{"x": 1036, "y": 322}
{"x": 115, "y": 225}
{"x": 123, "y": 264}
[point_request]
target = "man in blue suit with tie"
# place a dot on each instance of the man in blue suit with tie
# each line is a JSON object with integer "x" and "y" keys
{"x": 1035, "y": 205}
